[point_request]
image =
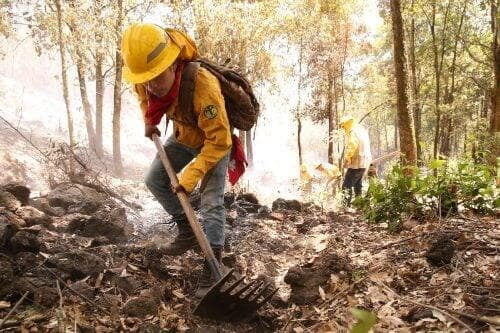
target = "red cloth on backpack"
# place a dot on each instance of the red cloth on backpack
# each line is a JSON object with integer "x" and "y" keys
{"x": 157, "y": 106}
{"x": 238, "y": 161}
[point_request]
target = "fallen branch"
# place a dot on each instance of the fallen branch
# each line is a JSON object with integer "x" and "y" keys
{"x": 484, "y": 319}
{"x": 382, "y": 247}
{"x": 60, "y": 313}
{"x": 101, "y": 187}
{"x": 14, "y": 308}
{"x": 432, "y": 307}
{"x": 395, "y": 243}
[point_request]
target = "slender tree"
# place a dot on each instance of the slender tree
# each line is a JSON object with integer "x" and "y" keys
{"x": 495, "y": 96}
{"x": 405, "y": 120}
{"x": 99, "y": 92}
{"x": 64, "y": 78}
{"x": 117, "y": 95}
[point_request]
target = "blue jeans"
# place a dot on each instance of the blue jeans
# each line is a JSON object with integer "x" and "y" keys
{"x": 212, "y": 198}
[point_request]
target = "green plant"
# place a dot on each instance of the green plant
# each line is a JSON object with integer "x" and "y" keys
{"x": 440, "y": 190}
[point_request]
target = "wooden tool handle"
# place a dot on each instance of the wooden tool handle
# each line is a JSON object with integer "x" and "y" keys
{"x": 188, "y": 210}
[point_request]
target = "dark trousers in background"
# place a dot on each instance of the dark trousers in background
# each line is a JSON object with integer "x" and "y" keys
{"x": 352, "y": 180}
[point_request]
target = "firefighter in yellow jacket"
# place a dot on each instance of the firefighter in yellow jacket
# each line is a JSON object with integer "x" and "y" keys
{"x": 154, "y": 59}
{"x": 357, "y": 156}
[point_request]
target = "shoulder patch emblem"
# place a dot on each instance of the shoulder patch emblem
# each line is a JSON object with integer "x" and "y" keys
{"x": 210, "y": 111}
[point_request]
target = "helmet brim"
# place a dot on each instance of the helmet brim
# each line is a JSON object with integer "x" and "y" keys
{"x": 169, "y": 57}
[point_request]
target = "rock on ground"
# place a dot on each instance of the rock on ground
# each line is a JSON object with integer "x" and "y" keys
{"x": 77, "y": 263}
{"x": 441, "y": 251}
{"x": 306, "y": 279}
{"x": 18, "y": 190}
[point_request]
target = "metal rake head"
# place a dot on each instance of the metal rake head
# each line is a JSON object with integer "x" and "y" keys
{"x": 235, "y": 302}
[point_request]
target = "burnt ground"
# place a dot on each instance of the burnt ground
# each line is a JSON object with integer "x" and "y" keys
{"x": 82, "y": 264}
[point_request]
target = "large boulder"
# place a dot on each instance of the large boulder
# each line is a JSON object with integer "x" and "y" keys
{"x": 33, "y": 216}
{"x": 110, "y": 222}
{"x": 6, "y": 277}
{"x": 75, "y": 198}
{"x": 283, "y": 204}
{"x": 25, "y": 261}
{"x": 41, "y": 289}
{"x": 77, "y": 264}
{"x": 18, "y": 190}
{"x": 25, "y": 241}
{"x": 11, "y": 218}
{"x": 9, "y": 201}
{"x": 144, "y": 305}
{"x": 42, "y": 204}
{"x": 7, "y": 231}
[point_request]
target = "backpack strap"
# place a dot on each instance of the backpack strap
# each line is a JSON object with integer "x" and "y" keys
{"x": 186, "y": 92}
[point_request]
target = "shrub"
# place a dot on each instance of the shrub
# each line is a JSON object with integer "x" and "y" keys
{"x": 440, "y": 190}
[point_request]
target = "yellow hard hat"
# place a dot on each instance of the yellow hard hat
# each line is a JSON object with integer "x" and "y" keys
{"x": 346, "y": 122}
{"x": 147, "y": 51}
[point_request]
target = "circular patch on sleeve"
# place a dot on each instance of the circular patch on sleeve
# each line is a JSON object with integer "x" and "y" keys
{"x": 210, "y": 111}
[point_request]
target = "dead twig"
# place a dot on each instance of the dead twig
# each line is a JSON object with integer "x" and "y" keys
{"x": 14, "y": 308}
{"x": 60, "y": 313}
{"x": 382, "y": 247}
{"x": 443, "y": 311}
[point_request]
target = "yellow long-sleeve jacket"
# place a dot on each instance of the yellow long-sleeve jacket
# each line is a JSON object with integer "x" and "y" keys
{"x": 357, "y": 153}
{"x": 212, "y": 133}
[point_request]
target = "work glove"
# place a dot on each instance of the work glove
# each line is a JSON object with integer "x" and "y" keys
{"x": 149, "y": 130}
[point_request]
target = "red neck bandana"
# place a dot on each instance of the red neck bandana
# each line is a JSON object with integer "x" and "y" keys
{"x": 157, "y": 106}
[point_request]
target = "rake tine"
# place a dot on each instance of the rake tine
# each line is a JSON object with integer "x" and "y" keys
{"x": 260, "y": 293}
{"x": 242, "y": 290}
{"x": 234, "y": 285}
{"x": 267, "y": 298}
{"x": 254, "y": 289}
{"x": 225, "y": 278}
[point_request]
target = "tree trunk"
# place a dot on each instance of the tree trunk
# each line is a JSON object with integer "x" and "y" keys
{"x": 396, "y": 132}
{"x": 342, "y": 69}
{"x": 117, "y": 96}
{"x": 64, "y": 79}
{"x": 298, "y": 115}
{"x": 414, "y": 89}
{"x": 386, "y": 134}
{"x": 449, "y": 92}
{"x": 299, "y": 144}
{"x": 437, "y": 76}
{"x": 87, "y": 108}
{"x": 438, "y": 66}
{"x": 495, "y": 95}
{"x": 249, "y": 148}
{"x": 331, "y": 119}
{"x": 405, "y": 120}
{"x": 446, "y": 136}
{"x": 99, "y": 95}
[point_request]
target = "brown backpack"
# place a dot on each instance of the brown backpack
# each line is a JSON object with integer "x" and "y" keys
{"x": 241, "y": 105}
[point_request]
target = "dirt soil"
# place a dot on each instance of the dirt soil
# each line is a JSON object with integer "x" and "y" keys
{"x": 434, "y": 276}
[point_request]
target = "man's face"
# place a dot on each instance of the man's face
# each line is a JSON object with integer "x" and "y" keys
{"x": 160, "y": 85}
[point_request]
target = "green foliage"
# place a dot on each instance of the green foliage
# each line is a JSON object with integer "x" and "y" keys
{"x": 439, "y": 191}
{"x": 365, "y": 322}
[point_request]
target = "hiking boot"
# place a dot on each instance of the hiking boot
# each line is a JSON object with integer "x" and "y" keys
{"x": 180, "y": 245}
{"x": 206, "y": 279}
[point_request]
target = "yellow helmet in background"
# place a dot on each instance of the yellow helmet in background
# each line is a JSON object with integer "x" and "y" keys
{"x": 147, "y": 51}
{"x": 346, "y": 122}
